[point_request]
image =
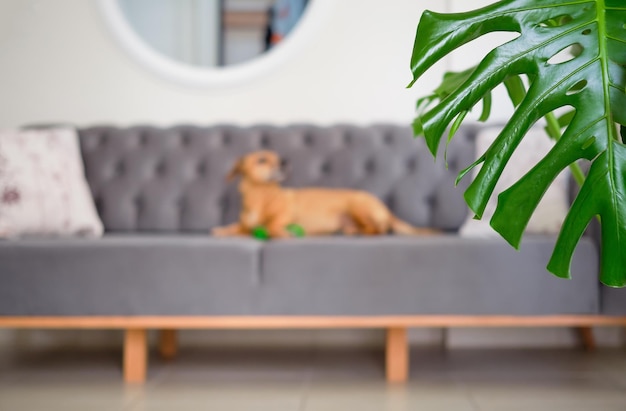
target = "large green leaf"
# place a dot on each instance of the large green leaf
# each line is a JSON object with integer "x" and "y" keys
{"x": 592, "y": 82}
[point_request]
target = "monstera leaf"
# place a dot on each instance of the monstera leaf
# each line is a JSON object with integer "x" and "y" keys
{"x": 592, "y": 83}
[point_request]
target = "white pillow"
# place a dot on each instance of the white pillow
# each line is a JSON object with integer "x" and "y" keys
{"x": 553, "y": 207}
{"x": 43, "y": 190}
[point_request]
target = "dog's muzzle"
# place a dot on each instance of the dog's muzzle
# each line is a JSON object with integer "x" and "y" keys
{"x": 281, "y": 173}
{"x": 277, "y": 175}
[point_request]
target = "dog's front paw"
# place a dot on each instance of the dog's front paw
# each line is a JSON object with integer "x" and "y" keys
{"x": 232, "y": 230}
{"x": 222, "y": 231}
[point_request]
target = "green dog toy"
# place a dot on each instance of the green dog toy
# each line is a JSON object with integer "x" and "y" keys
{"x": 261, "y": 233}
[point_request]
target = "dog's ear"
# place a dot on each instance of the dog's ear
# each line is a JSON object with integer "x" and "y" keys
{"x": 235, "y": 171}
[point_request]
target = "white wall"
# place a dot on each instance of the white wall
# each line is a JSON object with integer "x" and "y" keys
{"x": 58, "y": 62}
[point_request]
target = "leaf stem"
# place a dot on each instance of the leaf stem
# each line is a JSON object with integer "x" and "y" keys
{"x": 554, "y": 131}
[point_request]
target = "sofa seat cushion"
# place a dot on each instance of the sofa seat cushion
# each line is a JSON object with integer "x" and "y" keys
{"x": 434, "y": 275}
{"x": 128, "y": 275}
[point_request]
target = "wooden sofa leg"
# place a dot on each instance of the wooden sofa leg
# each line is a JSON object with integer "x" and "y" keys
{"x": 587, "y": 338}
{"x": 397, "y": 355}
{"x": 135, "y": 355}
{"x": 168, "y": 344}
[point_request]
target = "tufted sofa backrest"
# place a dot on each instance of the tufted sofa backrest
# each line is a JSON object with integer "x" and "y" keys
{"x": 173, "y": 179}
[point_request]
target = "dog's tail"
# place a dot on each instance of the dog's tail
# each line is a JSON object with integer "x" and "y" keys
{"x": 403, "y": 228}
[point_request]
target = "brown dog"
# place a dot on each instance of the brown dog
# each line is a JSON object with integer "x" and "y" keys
{"x": 318, "y": 211}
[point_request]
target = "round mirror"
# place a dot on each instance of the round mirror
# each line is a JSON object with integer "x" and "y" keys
{"x": 212, "y": 42}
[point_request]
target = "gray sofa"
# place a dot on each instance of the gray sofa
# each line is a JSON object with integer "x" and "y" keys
{"x": 160, "y": 190}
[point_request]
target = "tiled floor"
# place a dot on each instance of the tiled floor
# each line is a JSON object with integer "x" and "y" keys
{"x": 457, "y": 380}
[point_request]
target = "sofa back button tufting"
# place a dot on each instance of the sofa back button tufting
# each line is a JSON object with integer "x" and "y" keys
{"x": 120, "y": 169}
{"x": 185, "y": 140}
{"x": 411, "y": 164}
{"x": 160, "y": 170}
{"x": 326, "y": 168}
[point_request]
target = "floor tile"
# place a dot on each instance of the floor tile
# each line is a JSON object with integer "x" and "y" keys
{"x": 367, "y": 396}
{"x": 67, "y": 396}
{"x": 220, "y": 396}
{"x": 509, "y": 364}
{"x": 586, "y": 393}
{"x": 63, "y": 365}
{"x": 197, "y": 366}
{"x": 552, "y": 407}
{"x": 320, "y": 379}
{"x": 350, "y": 365}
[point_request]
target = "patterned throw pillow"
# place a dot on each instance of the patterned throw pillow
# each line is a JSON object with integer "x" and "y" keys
{"x": 43, "y": 190}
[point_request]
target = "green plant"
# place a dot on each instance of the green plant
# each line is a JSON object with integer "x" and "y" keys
{"x": 592, "y": 84}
